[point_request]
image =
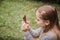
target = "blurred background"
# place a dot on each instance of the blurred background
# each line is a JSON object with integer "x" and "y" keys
{"x": 12, "y": 12}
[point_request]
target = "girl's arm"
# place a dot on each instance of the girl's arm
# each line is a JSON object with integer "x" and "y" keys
{"x": 25, "y": 27}
{"x": 30, "y": 33}
{"x": 28, "y": 36}
{"x": 35, "y": 33}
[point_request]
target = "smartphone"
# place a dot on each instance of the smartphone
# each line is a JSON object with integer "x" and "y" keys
{"x": 24, "y": 18}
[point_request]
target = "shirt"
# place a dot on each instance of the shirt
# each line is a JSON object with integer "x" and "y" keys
{"x": 30, "y": 34}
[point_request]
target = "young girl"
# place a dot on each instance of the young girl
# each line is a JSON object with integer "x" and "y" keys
{"x": 47, "y": 20}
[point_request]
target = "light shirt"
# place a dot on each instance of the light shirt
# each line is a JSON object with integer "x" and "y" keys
{"x": 31, "y": 34}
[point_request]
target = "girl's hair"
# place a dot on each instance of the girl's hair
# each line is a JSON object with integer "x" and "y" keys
{"x": 50, "y": 13}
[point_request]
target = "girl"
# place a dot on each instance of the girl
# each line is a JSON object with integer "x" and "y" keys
{"x": 47, "y": 20}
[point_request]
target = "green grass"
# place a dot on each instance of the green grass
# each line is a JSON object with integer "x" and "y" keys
{"x": 11, "y": 13}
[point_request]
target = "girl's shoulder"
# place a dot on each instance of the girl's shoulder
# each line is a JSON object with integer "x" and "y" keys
{"x": 49, "y": 36}
{"x": 51, "y": 33}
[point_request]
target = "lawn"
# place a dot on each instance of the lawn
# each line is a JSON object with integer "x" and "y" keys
{"x": 11, "y": 14}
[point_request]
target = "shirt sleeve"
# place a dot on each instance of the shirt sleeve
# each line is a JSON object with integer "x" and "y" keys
{"x": 35, "y": 33}
{"x": 27, "y": 36}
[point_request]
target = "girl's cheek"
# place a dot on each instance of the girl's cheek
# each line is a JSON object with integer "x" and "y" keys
{"x": 40, "y": 22}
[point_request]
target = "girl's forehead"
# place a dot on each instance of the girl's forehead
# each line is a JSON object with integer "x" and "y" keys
{"x": 37, "y": 14}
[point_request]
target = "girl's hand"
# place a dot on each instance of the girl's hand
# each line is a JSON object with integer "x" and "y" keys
{"x": 25, "y": 25}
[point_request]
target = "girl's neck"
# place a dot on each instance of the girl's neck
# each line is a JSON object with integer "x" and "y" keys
{"x": 55, "y": 29}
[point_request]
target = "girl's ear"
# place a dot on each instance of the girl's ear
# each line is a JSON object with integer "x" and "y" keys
{"x": 47, "y": 22}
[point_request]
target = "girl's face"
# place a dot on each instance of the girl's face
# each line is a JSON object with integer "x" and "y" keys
{"x": 40, "y": 22}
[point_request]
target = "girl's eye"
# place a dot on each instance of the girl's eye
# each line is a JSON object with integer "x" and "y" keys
{"x": 38, "y": 20}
